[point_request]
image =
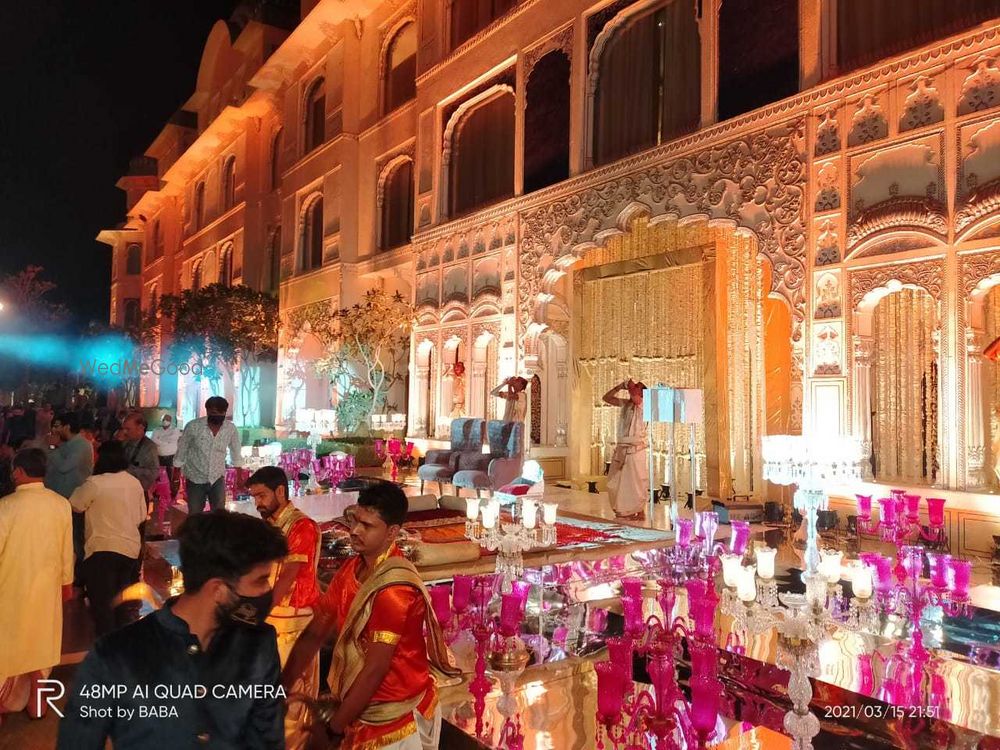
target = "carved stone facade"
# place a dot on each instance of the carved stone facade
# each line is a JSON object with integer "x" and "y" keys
{"x": 853, "y": 188}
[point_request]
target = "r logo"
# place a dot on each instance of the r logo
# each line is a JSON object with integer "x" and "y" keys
{"x": 50, "y": 691}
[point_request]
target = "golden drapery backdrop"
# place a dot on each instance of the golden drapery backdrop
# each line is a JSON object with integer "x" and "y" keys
{"x": 991, "y": 384}
{"x": 647, "y": 306}
{"x": 905, "y": 388}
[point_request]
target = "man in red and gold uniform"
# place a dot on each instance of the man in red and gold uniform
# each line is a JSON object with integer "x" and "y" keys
{"x": 294, "y": 586}
{"x": 377, "y": 608}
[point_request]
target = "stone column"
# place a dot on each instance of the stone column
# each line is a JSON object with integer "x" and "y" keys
{"x": 560, "y": 399}
{"x": 810, "y": 43}
{"x": 861, "y": 404}
{"x": 975, "y": 432}
{"x": 530, "y": 370}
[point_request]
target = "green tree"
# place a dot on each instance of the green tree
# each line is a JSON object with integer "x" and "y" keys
{"x": 368, "y": 353}
{"x": 219, "y": 326}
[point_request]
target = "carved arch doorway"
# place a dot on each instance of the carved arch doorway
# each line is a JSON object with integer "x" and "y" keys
{"x": 680, "y": 304}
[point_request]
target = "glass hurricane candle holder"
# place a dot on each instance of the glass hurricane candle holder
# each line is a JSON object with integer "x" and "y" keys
{"x": 739, "y": 537}
{"x": 765, "y": 562}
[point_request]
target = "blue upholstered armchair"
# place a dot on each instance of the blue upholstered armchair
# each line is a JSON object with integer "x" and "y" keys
{"x": 501, "y": 466}
{"x": 440, "y": 465}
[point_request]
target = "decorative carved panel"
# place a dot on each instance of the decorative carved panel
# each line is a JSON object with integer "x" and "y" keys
{"x": 981, "y": 89}
{"x": 868, "y": 123}
{"x": 927, "y": 275}
{"x": 977, "y": 267}
{"x": 757, "y": 180}
{"x": 922, "y": 107}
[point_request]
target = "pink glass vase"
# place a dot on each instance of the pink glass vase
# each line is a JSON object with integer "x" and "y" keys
{"x": 462, "y": 593}
{"x": 441, "y": 601}
{"x": 685, "y": 532}
{"x": 959, "y": 576}
{"x": 939, "y": 569}
{"x": 935, "y": 512}
{"x": 631, "y": 587}
{"x": 912, "y": 507}
{"x": 887, "y": 511}
{"x": 739, "y": 537}
{"x": 881, "y": 570}
{"x": 611, "y": 686}
{"x": 511, "y": 611}
{"x": 620, "y": 651}
{"x": 632, "y": 608}
{"x": 707, "y": 525}
{"x": 704, "y": 657}
{"x": 706, "y": 694}
{"x": 864, "y": 507}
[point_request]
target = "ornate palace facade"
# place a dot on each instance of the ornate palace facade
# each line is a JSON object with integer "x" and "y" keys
{"x": 792, "y": 205}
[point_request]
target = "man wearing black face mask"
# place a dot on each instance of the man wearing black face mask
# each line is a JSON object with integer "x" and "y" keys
{"x": 204, "y": 669}
{"x": 201, "y": 454}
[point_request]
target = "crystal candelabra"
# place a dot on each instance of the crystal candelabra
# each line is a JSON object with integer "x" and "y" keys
{"x": 465, "y": 605}
{"x": 910, "y": 595}
{"x": 751, "y": 598}
{"x": 388, "y": 422}
{"x": 525, "y": 531}
{"x": 811, "y": 465}
{"x": 899, "y": 518}
{"x": 395, "y": 450}
{"x": 627, "y": 717}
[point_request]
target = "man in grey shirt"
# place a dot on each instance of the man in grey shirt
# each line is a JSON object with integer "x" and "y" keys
{"x": 72, "y": 460}
{"x": 69, "y": 464}
{"x": 143, "y": 457}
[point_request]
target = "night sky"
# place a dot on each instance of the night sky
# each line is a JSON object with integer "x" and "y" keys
{"x": 87, "y": 86}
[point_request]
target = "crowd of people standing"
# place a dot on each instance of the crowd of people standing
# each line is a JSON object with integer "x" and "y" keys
{"x": 252, "y": 616}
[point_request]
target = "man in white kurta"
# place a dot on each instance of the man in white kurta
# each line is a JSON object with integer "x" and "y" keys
{"x": 36, "y": 563}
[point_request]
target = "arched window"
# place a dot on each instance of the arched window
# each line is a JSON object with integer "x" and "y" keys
{"x": 311, "y": 249}
{"x": 397, "y": 206}
{"x": 869, "y": 30}
{"x": 758, "y": 54}
{"x": 401, "y": 68}
{"x": 199, "y": 205}
{"x": 315, "y": 105}
{"x": 229, "y": 183}
{"x": 904, "y": 388}
{"x": 482, "y": 155}
{"x": 226, "y": 266}
{"x": 273, "y": 271}
{"x": 469, "y": 16}
{"x": 276, "y": 161}
{"x": 196, "y": 276}
{"x": 648, "y": 81}
{"x": 546, "y": 122}
{"x": 132, "y": 313}
{"x": 133, "y": 259}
